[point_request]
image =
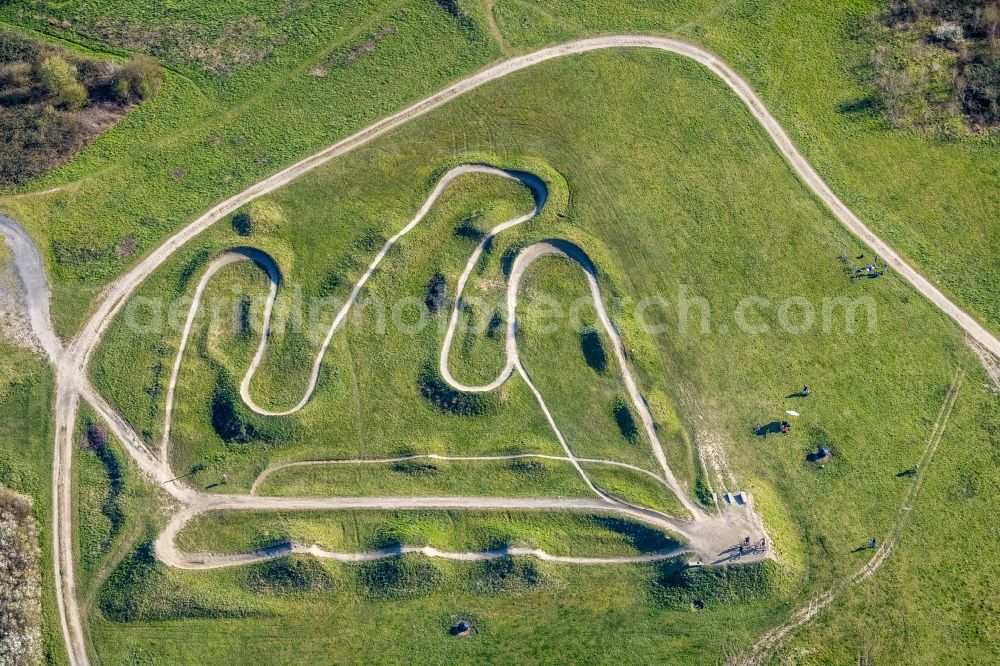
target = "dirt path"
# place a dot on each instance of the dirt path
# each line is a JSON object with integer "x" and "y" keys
{"x": 203, "y": 561}
{"x": 493, "y": 27}
{"x": 30, "y": 268}
{"x": 70, "y": 366}
{"x": 777, "y": 636}
{"x": 113, "y": 297}
{"x": 707, "y": 542}
{"x": 729, "y": 526}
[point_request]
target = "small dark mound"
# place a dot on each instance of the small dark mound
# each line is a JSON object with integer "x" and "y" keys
{"x": 623, "y": 417}
{"x": 330, "y": 283}
{"x": 450, "y": 401}
{"x": 289, "y": 575}
{"x": 397, "y": 578}
{"x": 469, "y": 228}
{"x": 437, "y": 293}
{"x": 495, "y": 325}
{"x": 242, "y": 224}
{"x": 141, "y": 589}
{"x": 461, "y": 628}
{"x": 505, "y": 575}
{"x": 234, "y": 423}
{"x": 454, "y": 10}
{"x": 593, "y": 350}
{"x": 528, "y": 467}
{"x": 643, "y": 538}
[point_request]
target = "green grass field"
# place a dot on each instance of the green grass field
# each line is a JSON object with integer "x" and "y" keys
{"x": 805, "y": 61}
{"x": 876, "y": 392}
{"x": 458, "y": 531}
{"x": 26, "y": 463}
{"x": 665, "y": 180}
{"x": 525, "y": 477}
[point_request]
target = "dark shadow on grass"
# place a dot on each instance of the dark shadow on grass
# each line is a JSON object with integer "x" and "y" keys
{"x": 765, "y": 429}
{"x": 868, "y": 106}
{"x": 644, "y": 539}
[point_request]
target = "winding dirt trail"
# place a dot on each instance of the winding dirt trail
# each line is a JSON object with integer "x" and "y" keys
{"x": 70, "y": 364}
{"x": 729, "y": 526}
{"x": 204, "y": 561}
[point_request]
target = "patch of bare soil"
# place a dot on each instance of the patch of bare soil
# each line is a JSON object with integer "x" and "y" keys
{"x": 990, "y": 363}
{"x": 367, "y": 46}
{"x": 14, "y": 324}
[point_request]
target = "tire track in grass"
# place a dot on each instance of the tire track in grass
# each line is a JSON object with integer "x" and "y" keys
{"x": 780, "y": 634}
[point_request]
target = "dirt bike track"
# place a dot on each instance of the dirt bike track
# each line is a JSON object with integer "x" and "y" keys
{"x": 70, "y": 363}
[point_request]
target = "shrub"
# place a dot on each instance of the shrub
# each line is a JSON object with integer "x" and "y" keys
{"x": 642, "y": 537}
{"x": 496, "y": 323}
{"x": 140, "y": 589}
{"x": 58, "y": 78}
{"x": 20, "y": 592}
{"x": 949, "y": 33}
{"x": 242, "y": 224}
{"x": 528, "y": 467}
{"x": 97, "y": 436}
{"x": 235, "y": 423}
{"x": 141, "y": 77}
{"x": 677, "y": 585}
{"x": 469, "y": 228}
{"x": 111, "y": 507}
{"x": 453, "y": 9}
{"x": 398, "y": 577}
{"x": 437, "y": 292}
{"x": 506, "y": 575}
{"x": 593, "y": 350}
{"x": 623, "y": 417}
{"x": 290, "y": 575}
{"x": 415, "y": 468}
{"x": 448, "y": 400}
{"x": 226, "y": 418}
{"x": 120, "y": 90}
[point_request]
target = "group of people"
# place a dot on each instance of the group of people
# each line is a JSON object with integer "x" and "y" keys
{"x": 784, "y": 427}
{"x": 868, "y": 271}
{"x": 745, "y": 546}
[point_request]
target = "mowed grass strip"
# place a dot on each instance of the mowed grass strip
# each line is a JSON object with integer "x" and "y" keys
{"x": 557, "y": 533}
{"x": 520, "y": 477}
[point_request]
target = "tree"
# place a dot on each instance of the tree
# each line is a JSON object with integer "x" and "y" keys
{"x": 242, "y": 224}
{"x": 120, "y": 89}
{"x": 141, "y": 77}
{"x": 97, "y": 436}
{"x": 58, "y": 78}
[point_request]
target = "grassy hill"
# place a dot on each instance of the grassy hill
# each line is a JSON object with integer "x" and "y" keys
{"x": 699, "y": 207}
{"x": 665, "y": 180}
